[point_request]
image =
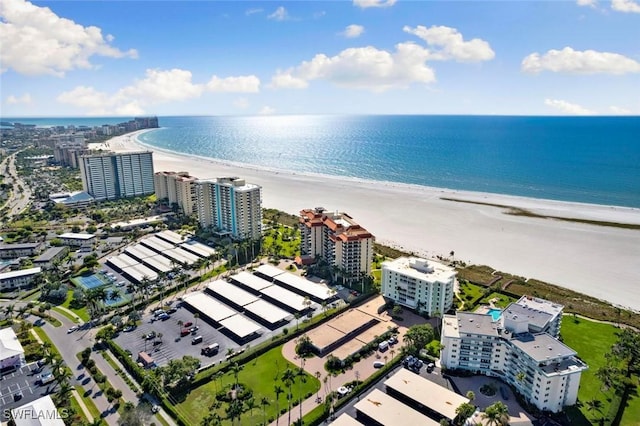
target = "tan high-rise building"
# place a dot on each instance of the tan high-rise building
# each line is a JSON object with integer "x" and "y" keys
{"x": 230, "y": 205}
{"x": 178, "y": 188}
{"x": 110, "y": 175}
{"x": 338, "y": 239}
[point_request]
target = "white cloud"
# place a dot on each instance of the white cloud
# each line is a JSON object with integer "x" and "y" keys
{"x": 590, "y": 3}
{"x": 451, "y": 44}
{"x": 567, "y": 107}
{"x": 280, "y": 14}
{"x": 157, "y": 87}
{"x": 353, "y": 31}
{"x": 626, "y": 6}
{"x": 36, "y": 41}
{"x": 579, "y": 62}
{"x": 266, "y": 110}
{"x": 364, "y": 4}
{"x": 253, "y": 11}
{"x": 241, "y": 84}
{"x": 241, "y": 103}
{"x": 619, "y": 110}
{"x": 15, "y": 100}
{"x": 362, "y": 68}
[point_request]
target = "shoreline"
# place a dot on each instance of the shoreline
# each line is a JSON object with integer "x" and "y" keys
{"x": 591, "y": 259}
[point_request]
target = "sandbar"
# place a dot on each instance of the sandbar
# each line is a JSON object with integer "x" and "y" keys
{"x": 603, "y": 262}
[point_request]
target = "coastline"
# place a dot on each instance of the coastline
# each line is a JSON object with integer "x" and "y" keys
{"x": 595, "y": 260}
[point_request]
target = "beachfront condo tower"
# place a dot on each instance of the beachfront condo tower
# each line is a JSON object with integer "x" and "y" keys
{"x": 519, "y": 345}
{"x": 178, "y": 189}
{"x": 419, "y": 284}
{"x": 338, "y": 240}
{"x": 229, "y": 205}
{"x": 109, "y": 175}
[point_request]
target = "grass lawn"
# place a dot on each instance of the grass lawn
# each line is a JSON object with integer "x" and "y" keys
{"x": 259, "y": 375}
{"x": 501, "y": 300}
{"x": 470, "y": 293}
{"x": 592, "y": 341}
{"x": 282, "y": 240}
{"x": 93, "y": 410}
{"x": 82, "y": 312}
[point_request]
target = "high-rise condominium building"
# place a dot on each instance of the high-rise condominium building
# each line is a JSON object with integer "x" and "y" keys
{"x": 229, "y": 204}
{"x": 338, "y": 239}
{"x": 518, "y": 345}
{"x": 419, "y": 284}
{"x": 178, "y": 188}
{"x": 108, "y": 176}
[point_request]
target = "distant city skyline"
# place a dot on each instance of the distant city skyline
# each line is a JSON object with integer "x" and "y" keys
{"x": 165, "y": 58}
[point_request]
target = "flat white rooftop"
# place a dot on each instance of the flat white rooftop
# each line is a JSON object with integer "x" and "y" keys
{"x": 158, "y": 262}
{"x": 318, "y": 291}
{"x": 388, "y": 411}
{"x": 157, "y": 244}
{"x": 41, "y": 412}
{"x": 187, "y": 254}
{"x": 240, "y": 326}
{"x": 209, "y": 306}
{"x": 345, "y": 420}
{"x": 122, "y": 261}
{"x": 139, "y": 272}
{"x": 289, "y": 298}
{"x": 76, "y": 236}
{"x": 252, "y": 281}
{"x": 170, "y": 236}
{"x": 137, "y": 222}
{"x": 178, "y": 256}
{"x": 231, "y": 292}
{"x": 265, "y": 310}
{"x": 269, "y": 270}
{"x": 139, "y": 251}
{"x": 421, "y": 269}
{"x": 200, "y": 249}
{"x": 439, "y": 399}
{"x": 20, "y": 273}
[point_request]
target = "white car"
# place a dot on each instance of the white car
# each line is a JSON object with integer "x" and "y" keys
{"x": 72, "y": 329}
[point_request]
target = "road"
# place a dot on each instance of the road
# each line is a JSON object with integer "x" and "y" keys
{"x": 17, "y": 200}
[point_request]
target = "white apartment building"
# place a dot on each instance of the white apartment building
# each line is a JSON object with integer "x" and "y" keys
{"x": 420, "y": 284}
{"x": 542, "y": 369}
{"x": 230, "y": 205}
{"x": 177, "y": 188}
{"x": 12, "y": 280}
{"x": 11, "y": 351}
{"x": 338, "y": 239}
{"x": 108, "y": 176}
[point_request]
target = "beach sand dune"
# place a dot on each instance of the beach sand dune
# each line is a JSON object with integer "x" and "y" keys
{"x": 603, "y": 262}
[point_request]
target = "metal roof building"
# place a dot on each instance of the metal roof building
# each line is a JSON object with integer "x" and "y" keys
{"x": 381, "y": 409}
{"x": 250, "y": 281}
{"x": 317, "y": 292}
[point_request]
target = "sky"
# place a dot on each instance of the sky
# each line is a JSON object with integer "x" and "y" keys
{"x": 128, "y": 58}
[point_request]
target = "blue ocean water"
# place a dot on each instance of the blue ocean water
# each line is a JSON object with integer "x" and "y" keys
{"x": 583, "y": 159}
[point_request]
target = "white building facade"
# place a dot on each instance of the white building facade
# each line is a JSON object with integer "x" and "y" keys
{"x": 13, "y": 280}
{"x": 177, "y": 188}
{"x": 541, "y": 368}
{"x": 420, "y": 284}
{"x": 11, "y": 351}
{"x": 230, "y": 205}
{"x": 109, "y": 176}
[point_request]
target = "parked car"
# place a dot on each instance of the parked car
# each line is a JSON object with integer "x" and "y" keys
{"x": 17, "y": 396}
{"x": 72, "y": 329}
{"x": 393, "y": 340}
{"x": 184, "y": 332}
{"x": 129, "y": 328}
{"x": 194, "y": 329}
{"x": 151, "y": 335}
{"x": 378, "y": 364}
{"x": 45, "y": 378}
{"x": 188, "y": 324}
{"x": 430, "y": 367}
{"x": 196, "y": 340}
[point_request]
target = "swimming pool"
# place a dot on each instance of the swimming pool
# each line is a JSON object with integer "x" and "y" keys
{"x": 495, "y": 313}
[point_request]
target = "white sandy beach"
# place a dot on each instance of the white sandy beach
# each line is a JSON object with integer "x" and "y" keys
{"x": 600, "y": 261}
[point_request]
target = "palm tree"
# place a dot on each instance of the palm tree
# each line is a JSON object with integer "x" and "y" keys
{"x": 318, "y": 374}
{"x": 497, "y": 414}
{"x": 8, "y": 310}
{"x": 288, "y": 378}
{"x": 278, "y": 390}
{"x": 63, "y": 391}
{"x": 471, "y": 395}
{"x": 464, "y": 411}
{"x": 594, "y": 405}
{"x": 195, "y": 317}
{"x": 180, "y": 324}
{"x": 264, "y": 403}
{"x": 236, "y": 369}
{"x": 302, "y": 378}
{"x": 250, "y": 405}
{"x": 22, "y": 310}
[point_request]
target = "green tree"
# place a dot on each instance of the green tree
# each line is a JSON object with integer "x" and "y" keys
{"x": 418, "y": 336}
{"x": 289, "y": 378}
{"x": 463, "y": 412}
{"x": 496, "y": 414}
{"x": 277, "y": 390}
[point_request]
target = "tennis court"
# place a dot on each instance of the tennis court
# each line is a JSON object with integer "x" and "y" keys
{"x": 91, "y": 281}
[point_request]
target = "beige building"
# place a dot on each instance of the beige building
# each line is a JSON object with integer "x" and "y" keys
{"x": 177, "y": 188}
{"x": 420, "y": 284}
{"x": 338, "y": 239}
{"x": 230, "y": 205}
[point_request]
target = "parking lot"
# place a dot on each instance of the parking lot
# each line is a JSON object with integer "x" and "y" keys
{"x": 171, "y": 345}
{"x": 22, "y": 380}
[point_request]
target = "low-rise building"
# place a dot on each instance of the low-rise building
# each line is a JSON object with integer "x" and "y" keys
{"x": 14, "y": 280}
{"x": 11, "y": 352}
{"x": 420, "y": 284}
{"x": 516, "y": 348}
{"x": 73, "y": 239}
{"x": 41, "y": 412}
{"x": 11, "y": 251}
{"x": 50, "y": 256}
